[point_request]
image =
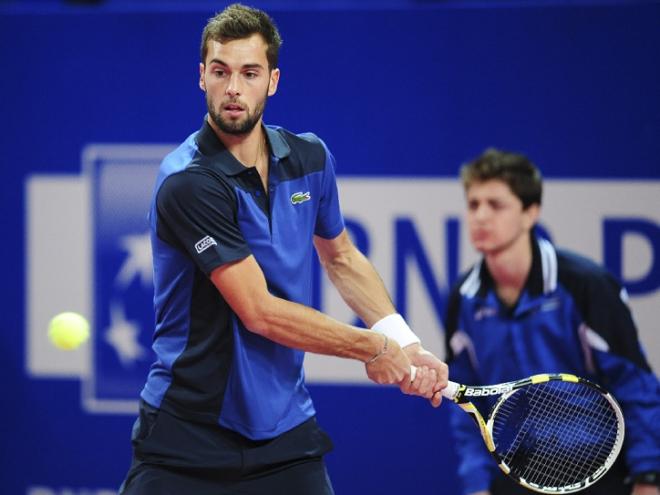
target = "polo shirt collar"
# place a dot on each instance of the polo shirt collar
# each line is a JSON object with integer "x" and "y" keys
{"x": 211, "y": 146}
{"x": 278, "y": 144}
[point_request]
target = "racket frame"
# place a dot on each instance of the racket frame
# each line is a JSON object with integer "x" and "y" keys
{"x": 462, "y": 394}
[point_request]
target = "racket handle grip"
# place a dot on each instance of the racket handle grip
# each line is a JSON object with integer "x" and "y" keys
{"x": 449, "y": 391}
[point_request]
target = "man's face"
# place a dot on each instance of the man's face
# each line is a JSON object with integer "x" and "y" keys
{"x": 237, "y": 82}
{"x": 496, "y": 218}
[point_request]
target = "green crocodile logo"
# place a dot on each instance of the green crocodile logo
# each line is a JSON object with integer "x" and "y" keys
{"x": 300, "y": 197}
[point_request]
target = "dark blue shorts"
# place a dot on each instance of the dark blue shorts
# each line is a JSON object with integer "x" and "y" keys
{"x": 176, "y": 456}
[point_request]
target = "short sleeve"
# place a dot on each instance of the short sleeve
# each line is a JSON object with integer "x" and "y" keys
{"x": 329, "y": 221}
{"x": 196, "y": 211}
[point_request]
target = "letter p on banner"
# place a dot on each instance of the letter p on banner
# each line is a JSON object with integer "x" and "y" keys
{"x": 614, "y": 233}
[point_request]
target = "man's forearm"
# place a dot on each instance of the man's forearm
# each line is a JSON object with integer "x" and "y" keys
{"x": 307, "y": 329}
{"x": 359, "y": 285}
{"x": 304, "y": 328}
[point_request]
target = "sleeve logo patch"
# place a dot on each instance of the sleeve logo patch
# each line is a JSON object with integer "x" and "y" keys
{"x": 300, "y": 197}
{"x": 205, "y": 243}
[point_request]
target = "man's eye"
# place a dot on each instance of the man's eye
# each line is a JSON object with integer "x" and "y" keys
{"x": 219, "y": 73}
{"x": 250, "y": 75}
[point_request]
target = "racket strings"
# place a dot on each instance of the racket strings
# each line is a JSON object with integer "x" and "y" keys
{"x": 573, "y": 463}
{"x": 556, "y": 433}
{"x": 544, "y": 462}
{"x": 551, "y": 455}
{"x": 574, "y": 460}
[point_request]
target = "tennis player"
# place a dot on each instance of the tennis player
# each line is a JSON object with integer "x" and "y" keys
{"x": 528, "y": 307}
{"x": 237, "y": 211}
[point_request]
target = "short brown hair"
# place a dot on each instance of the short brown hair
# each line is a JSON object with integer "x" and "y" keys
{"x": 238, "y": 22}
{"x": 516, "y": 170}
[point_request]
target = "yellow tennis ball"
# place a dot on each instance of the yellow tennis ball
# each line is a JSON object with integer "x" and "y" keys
{"x": 68, "y": 330}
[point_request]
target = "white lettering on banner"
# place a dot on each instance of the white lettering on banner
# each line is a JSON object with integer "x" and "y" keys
{"x": 411, "y": 228}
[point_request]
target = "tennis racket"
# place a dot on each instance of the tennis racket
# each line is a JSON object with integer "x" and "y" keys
{"x": 551, "y": 433}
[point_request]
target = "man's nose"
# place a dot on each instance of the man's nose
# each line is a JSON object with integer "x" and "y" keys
{"x": 233, "y": 88}
{"x": 481, "y": 212}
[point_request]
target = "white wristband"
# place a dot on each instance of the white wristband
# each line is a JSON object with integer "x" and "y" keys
{"x": 396, "y": 328}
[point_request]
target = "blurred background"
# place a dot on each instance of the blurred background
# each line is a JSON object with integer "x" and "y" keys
{"x": 94, "y": 93}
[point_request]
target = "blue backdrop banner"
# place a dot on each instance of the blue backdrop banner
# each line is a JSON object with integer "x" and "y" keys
{"x": 93, "y": 98}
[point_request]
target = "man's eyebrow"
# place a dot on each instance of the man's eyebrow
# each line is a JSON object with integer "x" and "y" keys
{"x": 217, "y": 61}
{"x": 245, "y": 66}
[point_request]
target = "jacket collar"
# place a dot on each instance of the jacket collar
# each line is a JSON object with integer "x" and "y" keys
{"x": 542, "y": 277}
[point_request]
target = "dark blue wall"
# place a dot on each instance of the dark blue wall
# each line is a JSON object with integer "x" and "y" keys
{"x": 413, "y": 91}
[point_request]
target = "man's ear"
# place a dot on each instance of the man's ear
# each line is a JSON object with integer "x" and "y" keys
{"x": 531, "y": 215}
{"x": 202, "y": 85}
{"x": 274, "y": 80}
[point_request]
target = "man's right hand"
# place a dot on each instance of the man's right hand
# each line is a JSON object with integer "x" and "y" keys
{"x": 392, "y": 366}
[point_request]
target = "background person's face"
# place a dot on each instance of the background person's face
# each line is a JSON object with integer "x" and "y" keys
{"x": 495, "y": 216}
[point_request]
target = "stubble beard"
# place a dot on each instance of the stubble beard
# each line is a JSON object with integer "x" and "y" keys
{"x": 236, "y": 127}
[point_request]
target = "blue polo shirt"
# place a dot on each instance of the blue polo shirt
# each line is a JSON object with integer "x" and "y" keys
{"x": 208, "y": 209}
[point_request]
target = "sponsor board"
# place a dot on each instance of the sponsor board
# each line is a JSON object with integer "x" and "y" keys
{"x": 91, "y": 230}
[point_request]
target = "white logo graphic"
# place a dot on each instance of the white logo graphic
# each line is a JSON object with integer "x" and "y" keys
{"x": 122, "y": 336}
{"x": 205, "y": 243}
{"x": 138, "y": 263}
{"x": 485, "y": 312}
{"x": 485, "y": 391}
